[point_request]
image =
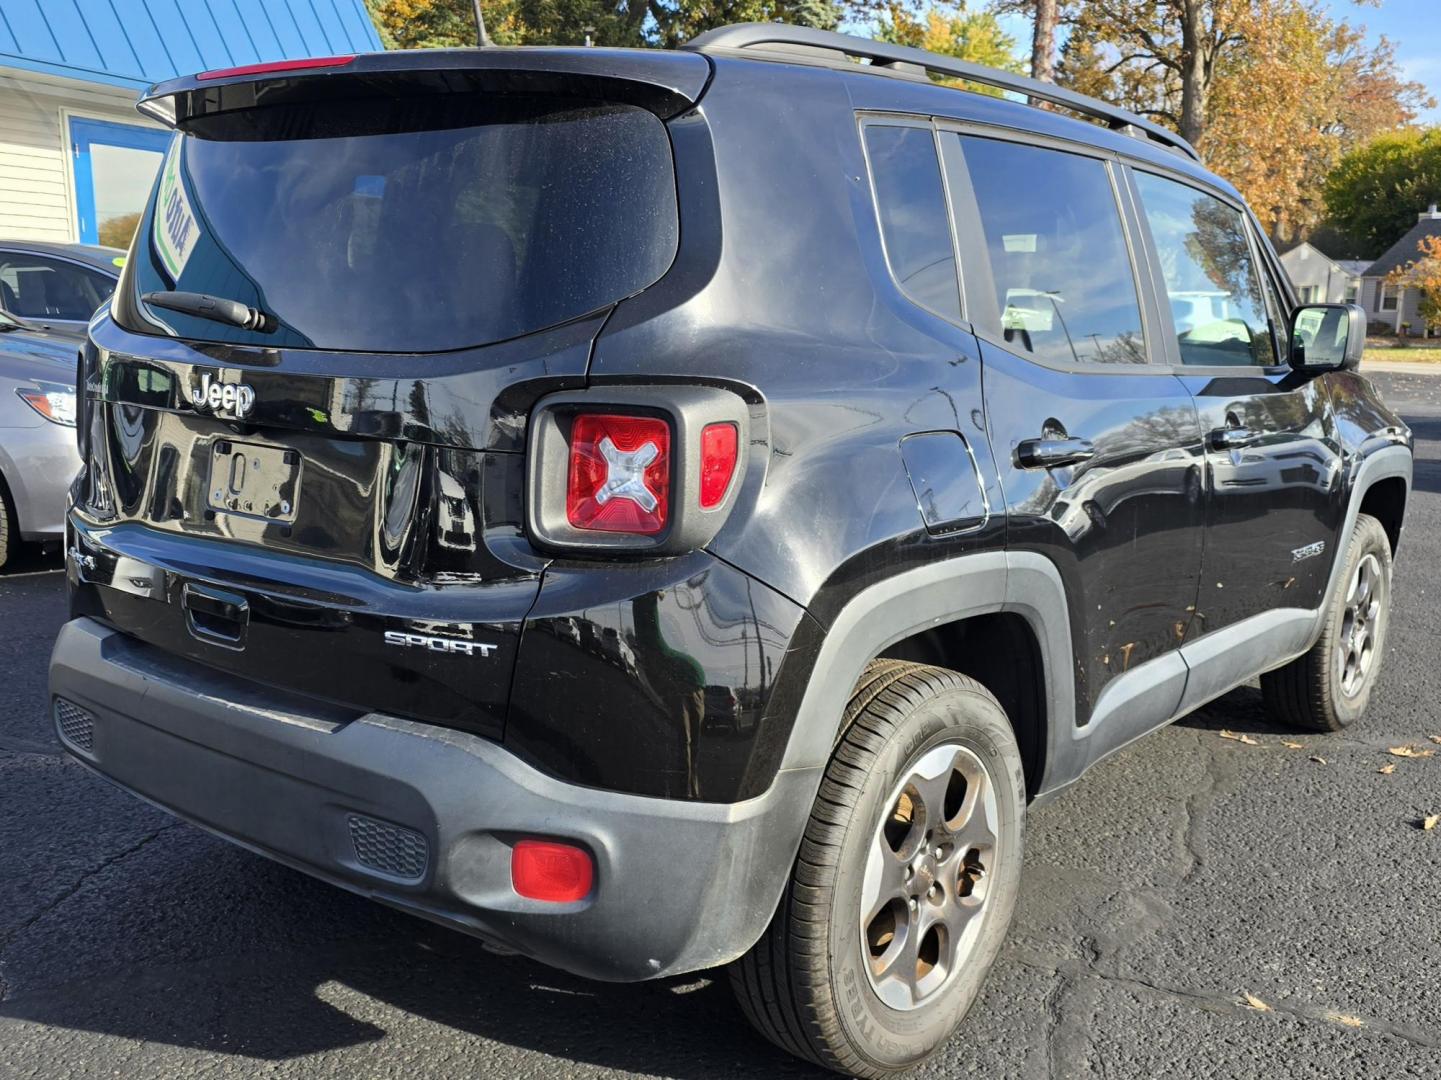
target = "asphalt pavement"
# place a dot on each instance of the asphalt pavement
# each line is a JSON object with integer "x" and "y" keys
{"x": 1178, "y": 877}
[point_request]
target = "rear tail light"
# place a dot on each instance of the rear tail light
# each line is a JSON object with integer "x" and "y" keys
{"x": 719, "y": 446}
{"x": 619, "y": 475}
{"x": 634, "y": 469}
{"x": 274, "y": 66}
{"x": 549, "y": 871}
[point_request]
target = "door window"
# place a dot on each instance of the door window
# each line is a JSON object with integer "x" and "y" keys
{"x": 1057, "y": 249}
{"x": 915, "y": 225}
{"x": 1212, "y": 280}
{"x": 35, "y": 287}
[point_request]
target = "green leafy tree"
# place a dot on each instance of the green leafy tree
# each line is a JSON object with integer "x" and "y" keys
{"x": 952, "y": 30}
{"x": 1375, "y": 193}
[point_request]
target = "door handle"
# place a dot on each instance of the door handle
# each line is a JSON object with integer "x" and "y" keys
{"x": 215, "y": 615}
{"x": 1230, "y": 438}
{"x": 1053, "y": 453}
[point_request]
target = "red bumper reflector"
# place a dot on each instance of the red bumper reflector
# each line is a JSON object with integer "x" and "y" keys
{"x": 619, "y": 476}
{"x": 275, "y": 65}
{"x": 718, "y": 451}
{"x": 557, "y": 873}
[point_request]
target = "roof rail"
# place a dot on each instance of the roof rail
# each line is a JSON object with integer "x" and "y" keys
{"x": 899, "y": 58}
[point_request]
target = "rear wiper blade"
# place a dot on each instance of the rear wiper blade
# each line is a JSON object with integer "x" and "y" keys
{"x": 214, "y": 308}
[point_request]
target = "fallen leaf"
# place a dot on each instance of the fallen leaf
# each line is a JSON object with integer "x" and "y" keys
{"x": 1292, "y": 745}
{"x": 1348, "y": 1021}
{"x": 1240, "y": 738}
{"x": 1387, "y": 769}
{"x": 1429, "y": 823}
{"x": 1318, "y": 759}
{"x": 1435, "y": 738}
{"x": 1409, "y": 751}
{"x": 1253, "y": 1002}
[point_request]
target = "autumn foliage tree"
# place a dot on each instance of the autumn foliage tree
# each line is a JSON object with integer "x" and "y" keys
{"x": 1424, "y": 275}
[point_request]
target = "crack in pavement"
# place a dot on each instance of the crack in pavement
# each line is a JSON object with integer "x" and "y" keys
{"x": 1220, "y": 1003}
{"x": 70, "y": 890}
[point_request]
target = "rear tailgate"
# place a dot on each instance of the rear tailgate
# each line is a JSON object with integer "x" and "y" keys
{"x": 328, "y": 500}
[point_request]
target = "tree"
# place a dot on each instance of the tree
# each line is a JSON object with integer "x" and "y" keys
{"x": 1377, "y": 190}
{"x": 1299, "y": 92}
{"x": 1424, "y": 275}
{"x": 975, "y": 36}
{"x": 1043, "y": 40}
{"x": 425, "y": 24}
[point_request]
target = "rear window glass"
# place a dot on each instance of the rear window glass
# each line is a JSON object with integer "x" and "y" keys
{"x": 410, "y": 225}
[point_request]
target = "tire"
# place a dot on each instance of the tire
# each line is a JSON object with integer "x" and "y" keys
{"x": 9, "y": 532}
{"x": 808, "y": 984}
{"x": 1328, "y": 688}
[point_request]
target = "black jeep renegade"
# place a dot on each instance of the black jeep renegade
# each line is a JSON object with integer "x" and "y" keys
{"x": 660, "y": 510}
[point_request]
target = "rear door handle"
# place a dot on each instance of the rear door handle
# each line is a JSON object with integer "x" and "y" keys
{"x": 1053, "y": 453}
{"x": 1230, "y": 438}
{"x": 216, "y": 615}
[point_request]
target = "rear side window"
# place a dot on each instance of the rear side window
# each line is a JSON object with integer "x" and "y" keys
{"x": 915, "y": 224}
{"x": 1212, "y": 280}
{"x": 34, "y": 287}
{"x": 1057, "y": 249}
{"x": 413, "y": 224}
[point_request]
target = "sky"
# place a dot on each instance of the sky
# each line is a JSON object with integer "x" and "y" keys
{"x": 1413, "y": 25}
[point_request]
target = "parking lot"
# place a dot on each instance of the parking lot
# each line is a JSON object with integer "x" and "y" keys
{"x": 1182, "y": 875}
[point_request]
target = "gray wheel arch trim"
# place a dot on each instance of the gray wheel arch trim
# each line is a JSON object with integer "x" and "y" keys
{"x": 889, "y": 611}
{"x": 1386, "y": 463}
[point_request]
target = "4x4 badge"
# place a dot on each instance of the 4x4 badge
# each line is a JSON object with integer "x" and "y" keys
{"x": 236, "y": 399}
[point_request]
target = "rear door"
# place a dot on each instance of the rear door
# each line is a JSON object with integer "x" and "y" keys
{"x": 1273, "y": 494}
{"x": 328, "y": 499}
{"x": 1099, "y": 448}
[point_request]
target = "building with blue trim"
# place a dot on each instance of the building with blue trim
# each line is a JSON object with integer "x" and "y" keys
{"x": 76, "y": 160}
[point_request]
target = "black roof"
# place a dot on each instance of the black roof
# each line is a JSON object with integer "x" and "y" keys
{"x": 1405, "y": 250}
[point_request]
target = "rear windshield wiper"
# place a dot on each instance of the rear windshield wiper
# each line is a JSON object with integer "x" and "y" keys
{"x": 214, "y": 308}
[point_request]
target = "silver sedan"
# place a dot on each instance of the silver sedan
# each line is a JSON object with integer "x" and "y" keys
{"x": 38, "y": 458}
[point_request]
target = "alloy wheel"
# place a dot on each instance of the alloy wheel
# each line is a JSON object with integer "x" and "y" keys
{"x": 926, "y": 882}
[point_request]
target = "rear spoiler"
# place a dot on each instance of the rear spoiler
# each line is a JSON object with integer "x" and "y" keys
{"x": 665, "y": 83}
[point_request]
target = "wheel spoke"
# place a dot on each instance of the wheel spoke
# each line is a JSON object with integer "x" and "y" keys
{"x": 884, "y": 880}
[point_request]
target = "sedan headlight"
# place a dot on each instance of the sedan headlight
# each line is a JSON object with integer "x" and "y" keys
{"x": 51, "y": 400}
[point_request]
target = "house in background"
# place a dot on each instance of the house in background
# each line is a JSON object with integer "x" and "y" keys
{"x": 76, "y": 160}
{"x": 1391, "y": 304}
{"x": 1320, "y": 279}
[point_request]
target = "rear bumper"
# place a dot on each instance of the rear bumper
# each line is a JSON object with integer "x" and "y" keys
{"x": 423, "y": 817}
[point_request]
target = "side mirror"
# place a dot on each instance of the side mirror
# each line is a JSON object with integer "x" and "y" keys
{"x": 1328, "y": 336}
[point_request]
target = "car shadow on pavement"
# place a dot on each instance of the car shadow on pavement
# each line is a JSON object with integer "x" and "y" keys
{"x": 1242, "y": 711}
{"x": 222, "y": 952}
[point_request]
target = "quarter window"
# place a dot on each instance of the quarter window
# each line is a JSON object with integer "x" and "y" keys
{"x": 1057, "y": 250}
{"x": 915, "y": 224}
{"x": 1212, "y": 280}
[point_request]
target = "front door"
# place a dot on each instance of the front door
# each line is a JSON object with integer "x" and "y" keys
{"x": 1099, "y": 448}
{"x": 115, "y": 166}
{"x": 1273, "y": 492}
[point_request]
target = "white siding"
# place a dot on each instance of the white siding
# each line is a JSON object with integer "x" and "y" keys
{"x": 37, "y": 198}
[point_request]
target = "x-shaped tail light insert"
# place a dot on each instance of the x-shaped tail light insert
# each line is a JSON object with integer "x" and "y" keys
{"x": 625, "y": 474}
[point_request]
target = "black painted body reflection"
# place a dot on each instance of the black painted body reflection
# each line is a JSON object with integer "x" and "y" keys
{"x": 1124, "y": 528}
{"x": 1272, "y": 500}
{"x": 664, "y": 692}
